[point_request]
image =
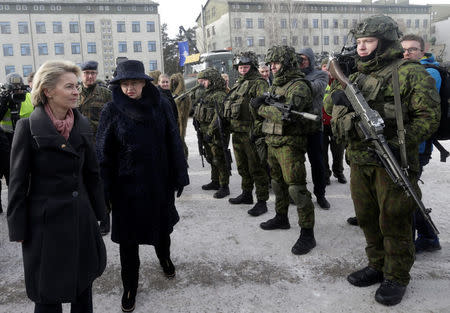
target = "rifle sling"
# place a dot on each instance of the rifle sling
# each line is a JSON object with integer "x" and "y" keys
{"x": 399, "y": 118}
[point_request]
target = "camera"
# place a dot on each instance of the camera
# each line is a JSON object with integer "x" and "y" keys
{"x": 14, "y": 90}
{"x": 346, "y": 59}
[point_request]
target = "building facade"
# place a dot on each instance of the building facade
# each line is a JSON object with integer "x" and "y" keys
{"x": 32, "y": 32}
{"x": 323, "y": 26}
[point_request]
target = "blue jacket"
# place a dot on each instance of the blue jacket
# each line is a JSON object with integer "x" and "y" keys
{"x": 429, "y": 59}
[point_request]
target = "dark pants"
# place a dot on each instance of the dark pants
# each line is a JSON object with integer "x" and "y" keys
{"x": 315, "y": 156}
{"x": 5, "y": 150}
{"x": 83, "y": 304}
{"x": 337, "y": 152}
{"x": 129, "y": 260}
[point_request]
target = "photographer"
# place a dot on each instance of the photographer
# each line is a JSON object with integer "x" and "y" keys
{"x": 15, "y": 103}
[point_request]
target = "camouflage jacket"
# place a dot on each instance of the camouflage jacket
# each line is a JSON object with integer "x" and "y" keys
{"x": 297, "y": 92}
{"x": 237, "y": 105}
{"x": 205, "y": 111}
{"x": 91, "y": 101}
{"x": 420, "y": 106}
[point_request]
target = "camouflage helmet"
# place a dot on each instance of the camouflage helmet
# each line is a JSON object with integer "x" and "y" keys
{"x": 283, "y": 54}
{"x": 215, "y": 79}
{"x": 379, "y": 26}
{"x": 245, "y": 58}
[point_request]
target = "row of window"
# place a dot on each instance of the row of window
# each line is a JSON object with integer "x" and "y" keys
{"x": 24, "y": 7}
{"x": 315, "y": 23}
{"x": 5, "y": 27}
{"x": 326, "y": 40}
{"x": 27, "y": 69}
{"x": 25, "y": 48}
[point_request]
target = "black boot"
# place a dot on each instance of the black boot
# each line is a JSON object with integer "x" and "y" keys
{"x": 245, "y": 197}
{"x": 340, "y": 177}
{"x": 390, "y": 292}
{"x": 128, "y": 300}
{"x": 259, "y": 208}
{"x": 368, "y": 276}
{"x": 323, "y": 203}
{"x": 222, "y": 192}
{"x": 352, "y": 221}
{"x": 213, "y": 185}
{"x": 168, "y": 267}
{"x": 105, "y": 225}
{"x": 305, "y": 242}
{"x": 280, "y": 221}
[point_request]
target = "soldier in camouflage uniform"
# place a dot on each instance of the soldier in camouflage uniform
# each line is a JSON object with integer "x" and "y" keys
{"x": 92, "y": 96}
{"x": 287, "y": 142}
{"x": 249, "y": 85}
{"x": 91, "y": 99}
{"x": 205, "y": 114}
{"x": 383, "y": 210}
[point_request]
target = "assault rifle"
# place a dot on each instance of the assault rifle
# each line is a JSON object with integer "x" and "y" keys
{"x": 201, "y": 145}
{"x": 187, "y": 93}
{"x": 226, "y": 151}
{"x": 371, "y": 125}
{"x": 286, "y": 109}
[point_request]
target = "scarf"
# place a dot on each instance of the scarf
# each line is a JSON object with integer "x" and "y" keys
{"x": 64, "y": 126}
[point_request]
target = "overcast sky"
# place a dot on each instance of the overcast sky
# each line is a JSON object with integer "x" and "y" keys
{"x": 184, "y": 12}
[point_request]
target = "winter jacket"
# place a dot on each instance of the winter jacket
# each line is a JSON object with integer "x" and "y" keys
{"x": 142, "y": 163}
{"x": 55, "y": 201}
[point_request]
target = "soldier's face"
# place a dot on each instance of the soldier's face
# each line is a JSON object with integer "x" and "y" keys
{"x": 412, "y": 50}
{"x": 264, "y": 71}
{"x": 132, "y": 87}
{"x": 366, "y": 45}
{"x": 203, "y": 82}
{"x": 89, "y": 77}
{"x": 275, "y": 67}
{"x": 243, "y": 69}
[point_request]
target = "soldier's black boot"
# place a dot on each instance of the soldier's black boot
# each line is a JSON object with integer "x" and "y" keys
{"x": 213, "y": 185}
{"x": 352, "y": 221}
{"x": 280, "y": 221}
{"x": 368, "y": 276}
{"x": 323, "y": 202}
{"x": 390, "y": 293}
{"x": 259, "y": 208}
{"x": 340, "y": 177}
{"x": 222, "y": 192}
{"x": 305, "y": 243}
{"x": 245, "y": 197}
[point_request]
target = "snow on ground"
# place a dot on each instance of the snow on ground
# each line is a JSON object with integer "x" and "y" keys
{"x": 226, "y": 263}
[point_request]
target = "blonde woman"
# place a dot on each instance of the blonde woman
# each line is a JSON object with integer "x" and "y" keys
{"x": 56, "y": 195}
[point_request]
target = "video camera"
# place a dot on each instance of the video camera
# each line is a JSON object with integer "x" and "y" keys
{"x": 14, "y": 90}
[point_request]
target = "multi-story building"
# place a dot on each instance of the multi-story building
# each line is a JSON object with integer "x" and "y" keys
{"x": 34, "y": 31}
{"x": 323, "y": 26}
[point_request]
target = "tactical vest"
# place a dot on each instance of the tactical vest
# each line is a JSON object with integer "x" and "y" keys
{"x": 279, "y": 127}
{"x": 237, "y": 106}
{"x": 205, "y": 110}
{"x": 26, "y": 107}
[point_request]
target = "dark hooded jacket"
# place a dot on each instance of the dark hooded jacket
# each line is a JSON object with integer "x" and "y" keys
{"x": 318, "y": 80}
{"x": 142, "y": 163}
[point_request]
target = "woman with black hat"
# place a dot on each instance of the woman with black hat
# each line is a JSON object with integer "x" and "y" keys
{"x": 142, "y": 163}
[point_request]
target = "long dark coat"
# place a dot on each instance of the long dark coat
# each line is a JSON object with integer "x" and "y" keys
{"x": 142, "y": 163}
{"x": 55, "y": 201}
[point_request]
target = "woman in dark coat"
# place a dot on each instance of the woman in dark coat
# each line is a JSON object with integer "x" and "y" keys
{"x": 56, "y": 195}
{"x": 142, "y": 165}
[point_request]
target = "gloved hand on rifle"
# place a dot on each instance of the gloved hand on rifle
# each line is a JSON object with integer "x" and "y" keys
{"x": 339, "y": 98}
{"x": 257, "y": 102}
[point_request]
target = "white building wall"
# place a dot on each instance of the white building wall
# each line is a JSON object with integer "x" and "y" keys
{"x": 442, "y": 35}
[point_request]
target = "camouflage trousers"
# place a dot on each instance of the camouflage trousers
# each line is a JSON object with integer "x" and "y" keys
{"x": 215, "y": 156}
{"x": 384, "y": 213}
{"x": 287, "y": 169}
{"x": 249, "y": 166}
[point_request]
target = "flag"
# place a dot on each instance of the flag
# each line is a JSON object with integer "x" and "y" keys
{"x": 183, "y": 48}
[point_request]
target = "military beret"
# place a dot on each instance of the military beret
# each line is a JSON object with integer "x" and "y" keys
{"x": 89, "y": 65}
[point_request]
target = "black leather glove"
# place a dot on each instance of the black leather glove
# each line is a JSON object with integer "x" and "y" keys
{"x": 179, "y": 191}
{"x": 257, "y": 102}
{"x": 339, "y": 98}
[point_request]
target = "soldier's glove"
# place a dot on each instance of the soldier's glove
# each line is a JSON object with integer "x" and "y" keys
{"x": 179, "y": 191}
{"x": 339, "y": 98}
{"x": 207, "y": 138}
{"x": 257, "y": 102}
